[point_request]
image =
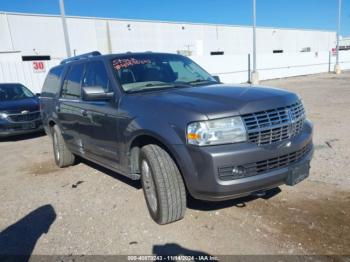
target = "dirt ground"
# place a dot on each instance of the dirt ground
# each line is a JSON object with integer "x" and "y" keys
{"x": 86, "y": 209}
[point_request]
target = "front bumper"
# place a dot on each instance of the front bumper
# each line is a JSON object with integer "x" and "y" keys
{"x": 200, "y": 166}
{"x": 11, "y": 128}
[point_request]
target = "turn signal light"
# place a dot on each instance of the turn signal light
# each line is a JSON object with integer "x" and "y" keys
{"x": 192, "y": 136}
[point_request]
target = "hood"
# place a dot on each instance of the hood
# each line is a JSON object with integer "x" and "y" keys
{"x": 216, "y": 101}
{"x": 17, "y": 106}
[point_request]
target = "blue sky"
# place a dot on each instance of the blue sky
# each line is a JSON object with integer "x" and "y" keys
{"x": 314, "y": 14}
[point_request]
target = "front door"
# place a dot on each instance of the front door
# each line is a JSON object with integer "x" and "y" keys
{"x": 99, "y": 126}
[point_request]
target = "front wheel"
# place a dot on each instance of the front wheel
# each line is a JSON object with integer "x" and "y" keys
{"x": 63, "y": 157}
{"x": 162, "y": 184}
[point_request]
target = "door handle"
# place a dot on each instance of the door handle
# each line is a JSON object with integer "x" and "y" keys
{"x": 84, "y": 112}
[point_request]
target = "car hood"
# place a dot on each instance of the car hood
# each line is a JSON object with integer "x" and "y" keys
{"x": 216, "y": 101}
{"x": 17, "y": 106}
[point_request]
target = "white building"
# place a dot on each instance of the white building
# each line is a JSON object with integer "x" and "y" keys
{"x": 31, "y": 34}
{"x": 221, "y": 49}
{"x": 344, "y": 43}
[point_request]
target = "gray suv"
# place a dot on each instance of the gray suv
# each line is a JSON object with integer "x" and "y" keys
{"x": 163, "y": 119}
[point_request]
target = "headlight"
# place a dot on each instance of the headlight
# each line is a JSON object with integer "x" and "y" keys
{"x": 3, "y": 115}
{"x": 215, "y": 132}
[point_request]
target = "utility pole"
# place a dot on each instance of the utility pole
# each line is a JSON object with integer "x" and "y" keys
{"x": 65, "y": 30}
{"x": 337, "y": 68}
{"x": 255, "y": 75}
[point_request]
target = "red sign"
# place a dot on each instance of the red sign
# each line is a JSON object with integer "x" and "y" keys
{"x": 38, "y": 67}
{"x": 334, "y": 51}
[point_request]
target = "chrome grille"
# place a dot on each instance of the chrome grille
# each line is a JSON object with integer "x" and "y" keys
{"x": 270, "y": 126}
{"x": 24, "y": 117}
{"x": 257, "y": 168}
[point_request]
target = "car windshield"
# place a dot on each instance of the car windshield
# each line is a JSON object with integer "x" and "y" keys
{"x": 14, "y": 92}
{"x": 145, "y": 72}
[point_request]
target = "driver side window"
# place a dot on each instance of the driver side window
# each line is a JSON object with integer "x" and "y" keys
{"x": 71, "y": 85}
{"x": 96, "y": 75}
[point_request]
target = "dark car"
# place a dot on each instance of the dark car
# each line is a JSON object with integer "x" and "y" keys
{"x": 19, "y": 110}
{"x": 163, "y": 119}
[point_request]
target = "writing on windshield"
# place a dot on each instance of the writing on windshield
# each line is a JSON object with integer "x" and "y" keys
{"x": 125, "y": 63}
{"x": 141, "y": 72}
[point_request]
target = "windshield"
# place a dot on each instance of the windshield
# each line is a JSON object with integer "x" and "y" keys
{"x": 141, "y": 72}
{"x": 14, "y": 92}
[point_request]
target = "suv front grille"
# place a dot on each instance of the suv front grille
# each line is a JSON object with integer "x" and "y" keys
{"x": 24, "y": 117}
{"x": 257, "y": 168}
{"x": 271, "y": 126}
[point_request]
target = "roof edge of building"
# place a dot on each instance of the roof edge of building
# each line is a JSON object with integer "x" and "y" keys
{"x": 164, "y": 22}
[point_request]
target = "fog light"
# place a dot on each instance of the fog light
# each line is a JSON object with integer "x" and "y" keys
{"x": 238, "y": 171}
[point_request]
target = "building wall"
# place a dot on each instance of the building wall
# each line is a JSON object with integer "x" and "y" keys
{"x": 235, "y": 68}
{"x": 43, "y": 35}
{"x": 23, "y": 34}
{"x": 230, "y": 68}
{"x": 22, "y": 72}
{"x": 345, "y": 41}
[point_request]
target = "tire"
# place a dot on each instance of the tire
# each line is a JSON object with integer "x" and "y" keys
{"x": 63, "y": 157}
{"x": 162, "y": 185}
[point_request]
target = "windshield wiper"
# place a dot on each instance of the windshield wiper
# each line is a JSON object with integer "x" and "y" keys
{"x": 158, "y": 86}
{"x": 199, "y": 82}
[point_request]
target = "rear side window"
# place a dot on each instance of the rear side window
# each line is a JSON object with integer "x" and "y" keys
{"x": 71, "y": 85}
{"x": 52, "y": 82}
{"x": 96, "y": 75}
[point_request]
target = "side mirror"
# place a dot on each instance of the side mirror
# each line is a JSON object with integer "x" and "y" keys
{"x": 38, "y": 95}
{"x": 217, "y": 78}
{"x": 92, "y": 93}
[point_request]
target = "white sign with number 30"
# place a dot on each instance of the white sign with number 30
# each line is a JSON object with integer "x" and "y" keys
{"x": 38, "y": 67}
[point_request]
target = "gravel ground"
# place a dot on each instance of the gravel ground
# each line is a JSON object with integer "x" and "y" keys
{"x": 86, "y": 209}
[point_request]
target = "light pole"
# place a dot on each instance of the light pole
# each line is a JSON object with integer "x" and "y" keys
{"x": 337, "y": 68}
{"x": 65, "y": 30}
{"x": 255, "y": 75}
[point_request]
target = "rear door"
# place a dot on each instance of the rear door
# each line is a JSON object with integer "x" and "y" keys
{"x": 68, "y": 108}
{"x": 51, "y": 89}
{"x": 100, "y": 123}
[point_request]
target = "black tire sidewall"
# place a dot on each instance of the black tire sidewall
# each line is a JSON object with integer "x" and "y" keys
{"x": 56, "y": 132}
{"x": 155, "y": 215}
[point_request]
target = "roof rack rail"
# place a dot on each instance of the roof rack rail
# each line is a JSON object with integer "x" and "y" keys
{"x": 78, "y": 57}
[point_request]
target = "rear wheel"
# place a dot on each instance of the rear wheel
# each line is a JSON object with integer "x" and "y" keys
{"x": 63, "y": 157}
{"x": 162, "y": 184}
